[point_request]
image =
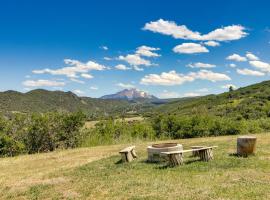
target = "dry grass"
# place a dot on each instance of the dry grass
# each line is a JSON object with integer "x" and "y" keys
{"x": 93, "y": 173}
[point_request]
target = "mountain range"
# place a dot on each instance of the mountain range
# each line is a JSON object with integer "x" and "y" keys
{"x": 251, "y": 102}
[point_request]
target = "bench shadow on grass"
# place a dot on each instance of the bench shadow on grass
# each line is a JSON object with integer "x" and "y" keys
{"x": 119, "y": 162}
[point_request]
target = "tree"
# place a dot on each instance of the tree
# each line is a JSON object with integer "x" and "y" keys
{"x": 231, "y": 88}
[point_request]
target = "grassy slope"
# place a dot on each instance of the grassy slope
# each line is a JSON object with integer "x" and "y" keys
{"x": 79, "y": 174}
{"x": 251, "y": 102}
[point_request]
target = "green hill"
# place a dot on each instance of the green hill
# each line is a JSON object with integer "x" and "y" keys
{"x": 251, "y": 102}
{"x": 43, "y": 101}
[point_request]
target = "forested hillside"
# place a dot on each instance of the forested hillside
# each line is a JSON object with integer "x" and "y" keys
{"x": 46, "y": 101}
{"x": 251, "y": 102}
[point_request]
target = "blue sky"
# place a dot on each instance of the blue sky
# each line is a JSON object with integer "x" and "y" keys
{"x": 167, "y": 48}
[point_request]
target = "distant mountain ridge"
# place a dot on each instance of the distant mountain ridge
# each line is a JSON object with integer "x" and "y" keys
{"x": 41, "y": 100}
{"x": 130, "y": 94}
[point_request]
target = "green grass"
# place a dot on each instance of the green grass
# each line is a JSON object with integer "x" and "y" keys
{"x": 225, "y": 177}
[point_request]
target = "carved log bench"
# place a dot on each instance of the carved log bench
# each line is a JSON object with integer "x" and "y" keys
{"x": 128, "y": 154}
{"x": 196, "y": 153}
{"x": 176, "y": 157}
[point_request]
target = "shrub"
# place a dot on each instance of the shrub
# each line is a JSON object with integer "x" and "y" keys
{"x": 10, "y": 147}
{"x": 40, "y": 132}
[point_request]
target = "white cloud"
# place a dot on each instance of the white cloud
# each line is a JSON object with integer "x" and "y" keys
{"x": 190, "y": 48}
{"x": 227, "y": 86}
{"x": 263, "y": 66}
{"x": 77, "y": 80}
{"x": 168, "y": 94}
{"x": 107, "y": 58}
{"x": 78, "y": 92}
{"x": 104, "y": 48}
{"x": 166, "y": 78}
{"x": 135, "y": 60}
{"x": 173, "y": 78}
{"x": 251, "y": 56}
{"x": 137, "y": 68}
{"x": 227, "y": 33}
{"x": 74, "y": 67}
{"x": 191, "y": 94}
{"x": 93, "y": 88}
{"x": 201, "y": 65}
{"x": 232, "y": 65}
{"x": 212, "y": 43}
{"x": 249, "y": 72}
{"x": 123, "y": 85}
{"x": 87, "y": 76}
{"x": 236, "y": 57}
{"x": 210, "y": 76}
{"x": 27, "y": 89}
{"x": 203, "y": 90}
{"x": 42, "y": 83}
{"x": 122, "y": 67}
{"x": 147, "y": 51}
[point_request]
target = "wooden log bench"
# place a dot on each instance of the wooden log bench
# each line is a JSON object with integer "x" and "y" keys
{"x": 128, "y": 154}
{"x": 176, "y": 157}
{"x": 196, "y": 153}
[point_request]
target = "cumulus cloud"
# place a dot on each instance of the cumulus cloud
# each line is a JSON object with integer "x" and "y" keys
{"x": 209, "y": 75}
{"x": 251, "y": 56}
{"x": 74, "y": 68}
{"x": 236, "y": 57}
{"x": 93, "y": 88}
{"x": 212, "y": 43}
{"x": 203, "y": 90}
{"x": 263, "y": 66}
{"x": 166, "y": 78}
{"x": 191, "y": 94}
{"x": 227, "y": 33}
{"x": 201, "y": 65}
{"x": 87, "y": 76}
{"x": 107, "y": 58}
{"x": 42, "y": 83}
{"x": 124, "y": 85}
{"x": 249, "y": 72}
{"x": 104, "y": 48}
{"x": 147, "y": 51}
{"x": 122, "y": 67}
{"x": 137, "y": 68}
{"x": 168, "y": 94}
{"x": 135, "y": 60}
{"x": 77, "y": 80}
{"x": 232, "y": 65}
{"x": 174, "y": 78}
{"x": 190, "y": 48}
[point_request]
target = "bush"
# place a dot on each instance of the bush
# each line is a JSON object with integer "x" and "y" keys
{"x": 113, "y": 132}
{"x": 203, "y": 125}
{"x": 40, "y": 132}
{"x": 10, "y": 147}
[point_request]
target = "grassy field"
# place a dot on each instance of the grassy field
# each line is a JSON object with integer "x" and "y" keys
{"x": 91, "y": 124}
{"x": 95, "y": 173}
